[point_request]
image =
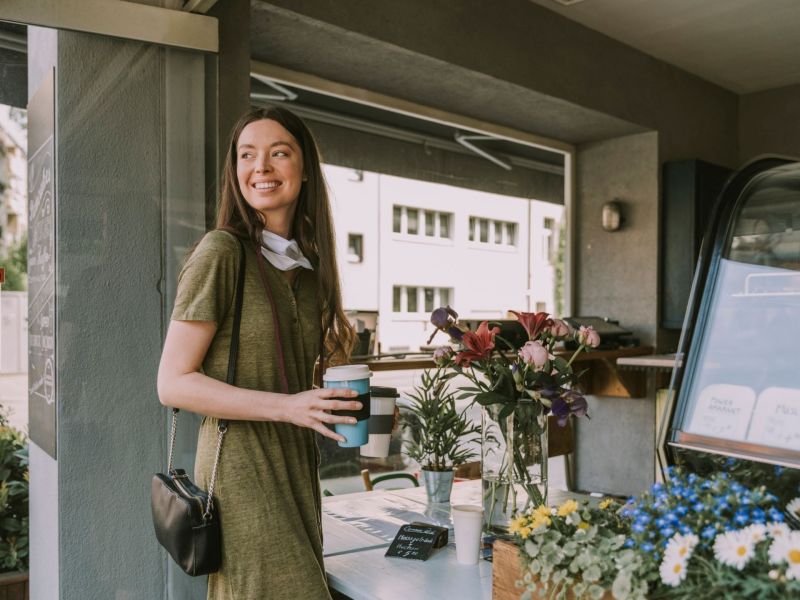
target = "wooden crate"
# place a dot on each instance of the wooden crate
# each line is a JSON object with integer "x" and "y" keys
{"x": 507, "y": 570}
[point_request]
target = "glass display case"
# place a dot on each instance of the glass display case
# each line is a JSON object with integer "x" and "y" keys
{"x": 736, "y": 391}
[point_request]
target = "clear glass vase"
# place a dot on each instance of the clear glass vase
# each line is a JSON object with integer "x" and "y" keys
{"x": 513, "y": 462}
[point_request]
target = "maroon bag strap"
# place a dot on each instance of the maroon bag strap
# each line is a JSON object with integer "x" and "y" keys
{"x": 278, "y": 346}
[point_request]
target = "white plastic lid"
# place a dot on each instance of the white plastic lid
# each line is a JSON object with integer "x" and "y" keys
{"x": 347, "y": 373}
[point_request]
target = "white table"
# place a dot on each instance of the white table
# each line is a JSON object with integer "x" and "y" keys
{"x": 358, "y": 529}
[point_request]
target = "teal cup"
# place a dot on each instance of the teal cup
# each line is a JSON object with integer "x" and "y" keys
{"x": 354, "y": 377}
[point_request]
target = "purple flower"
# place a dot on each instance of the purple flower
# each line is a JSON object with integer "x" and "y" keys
{"x": 569, "y": 403}
{"x": 445, "y": 319}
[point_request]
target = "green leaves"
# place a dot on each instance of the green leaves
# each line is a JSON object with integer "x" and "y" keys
{"x": 439, "y": 432}
{"x": 13, "y": 498}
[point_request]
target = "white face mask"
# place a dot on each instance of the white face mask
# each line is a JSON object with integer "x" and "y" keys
{"x": 283, "y": 254}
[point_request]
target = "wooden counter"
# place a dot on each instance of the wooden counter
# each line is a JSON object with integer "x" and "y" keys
{"x": 602, "y": 377}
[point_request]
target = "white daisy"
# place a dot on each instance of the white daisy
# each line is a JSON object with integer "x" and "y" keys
{"x": 757, "y": 532}
{"x": 680, "y": 546}
{"x": 793, "y": 508}
{"x": 777, "y": 530}
{"x": 672, "y": 570}
{"x": 787, "y": 549}
{"x": 733, "y": 548}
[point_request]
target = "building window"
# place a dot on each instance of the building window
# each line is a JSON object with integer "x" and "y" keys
{"x": 429, "y": 293}
{"x": 491, "y": 231}
{"x": 355, "y": 247}
{"x": 444, "y": 225}
{"x": 411, "y": 299}
{"x": 423, "y": 223}
{"x": 397, "y": 294}
{"x": 431, "y": 299}
{"x": 548, "y": 239}
{"x": 430, "y": 223}
{"x": 397, "y": 219}
{"x": 412, "y": 218}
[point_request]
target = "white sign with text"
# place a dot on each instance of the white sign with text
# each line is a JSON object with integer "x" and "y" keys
{"x": 777, "y": 419}
{"x": 723, "y": 410}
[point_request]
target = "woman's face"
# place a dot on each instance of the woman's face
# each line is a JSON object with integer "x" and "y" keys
{"x": 269, "y": 168}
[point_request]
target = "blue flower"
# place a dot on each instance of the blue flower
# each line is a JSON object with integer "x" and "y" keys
{"x": 708, "y": 532}
{"x": 685, "y": 529}
{"x": 662, "y": 522}
{"x": 672, "y": 518}
{"x": 692, "y": 478}
{"x": 698, "y": 507}
{"x": 647, "y": 547}
{"x": 722, "y": 505}
{"x": 742, "y": 517}
{"x": 775, "y": 515}
{"x": 758, "y": 516}
{"x": 667, "y": 532}
{"x": 638, "y": 527}
{"x": 629, "y": 543}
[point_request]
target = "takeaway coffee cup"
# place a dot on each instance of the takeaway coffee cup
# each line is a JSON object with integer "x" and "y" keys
{"x": 381, "y": 420}
{"x": 355, "y": 377}
{"x": 467, "y": 525}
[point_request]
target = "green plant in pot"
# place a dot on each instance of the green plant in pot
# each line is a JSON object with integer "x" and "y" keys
{"x": 13, "y": 498}
{"x": 439, "y": 434}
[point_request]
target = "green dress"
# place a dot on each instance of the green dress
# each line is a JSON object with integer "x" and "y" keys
{"x": 267, "y": 485}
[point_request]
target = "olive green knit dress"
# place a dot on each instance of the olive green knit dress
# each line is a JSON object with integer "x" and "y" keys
{"x": 267, "y": 485}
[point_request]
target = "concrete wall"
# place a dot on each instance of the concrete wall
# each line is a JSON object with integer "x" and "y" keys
{"x": 769, "y": 123}
{"x": 616, "y": 273}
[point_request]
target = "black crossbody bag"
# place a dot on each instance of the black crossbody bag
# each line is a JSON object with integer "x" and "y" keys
{"x": 185, "y": 518}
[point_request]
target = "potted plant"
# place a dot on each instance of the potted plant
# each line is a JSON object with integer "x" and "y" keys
{"x": 13, "y": 511}
{"x": 439, "y": 434}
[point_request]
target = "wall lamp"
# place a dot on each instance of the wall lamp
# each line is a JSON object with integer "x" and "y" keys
{"x": 612, "y": 218}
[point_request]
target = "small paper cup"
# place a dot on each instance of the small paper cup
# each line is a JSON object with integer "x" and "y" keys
{"x": 467, "y": 526}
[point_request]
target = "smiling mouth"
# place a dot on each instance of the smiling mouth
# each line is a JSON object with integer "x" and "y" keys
{"x": 266, "y": 185}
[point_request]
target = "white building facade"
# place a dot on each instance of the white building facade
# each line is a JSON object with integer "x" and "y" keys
{"x": 406, "y": 247}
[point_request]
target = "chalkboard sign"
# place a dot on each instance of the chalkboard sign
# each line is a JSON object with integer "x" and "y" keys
{"x": 417, "y": 540}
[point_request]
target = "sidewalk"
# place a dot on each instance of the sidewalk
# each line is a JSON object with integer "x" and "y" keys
{"x": 14, "y": 397}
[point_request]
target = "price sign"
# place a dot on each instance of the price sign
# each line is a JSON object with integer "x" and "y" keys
{"x": 417, "y": 540}
{"x": 776, "y": 421}
{"x": 723, "y": 410}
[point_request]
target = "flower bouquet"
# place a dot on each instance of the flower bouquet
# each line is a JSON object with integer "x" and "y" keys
{"x": 517, "y": 392}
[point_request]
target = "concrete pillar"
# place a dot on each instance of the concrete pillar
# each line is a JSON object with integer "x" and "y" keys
{"x": 136, "y": 159}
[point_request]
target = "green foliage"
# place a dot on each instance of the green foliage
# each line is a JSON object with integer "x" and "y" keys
{"x": 13, "y": 498}
{"x": 439, "y": 432}
{"x": 15, "y": 262}
{"x": 576, "y": 551}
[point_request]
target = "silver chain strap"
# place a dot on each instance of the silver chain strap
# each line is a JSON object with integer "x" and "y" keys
{"x": 172, "y": 440}
{"x": 221, "y": 432}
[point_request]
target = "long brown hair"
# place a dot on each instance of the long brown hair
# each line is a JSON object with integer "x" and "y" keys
{"x": 312, "y": 226}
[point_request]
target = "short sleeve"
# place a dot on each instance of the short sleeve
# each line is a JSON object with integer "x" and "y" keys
{"x": 207, "y": 282}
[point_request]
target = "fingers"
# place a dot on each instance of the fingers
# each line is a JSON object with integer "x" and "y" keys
{"x": 329, "y": 433}
{"x": 334, "y": 419}
{"x": 338, "y": 393}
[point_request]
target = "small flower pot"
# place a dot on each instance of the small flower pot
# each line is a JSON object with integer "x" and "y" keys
{"x": 438, "y": 485}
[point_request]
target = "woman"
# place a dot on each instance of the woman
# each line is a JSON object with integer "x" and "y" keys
{"x": 267, "y": 486}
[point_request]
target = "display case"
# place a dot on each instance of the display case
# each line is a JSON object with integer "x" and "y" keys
{"x": 736, "y": 391}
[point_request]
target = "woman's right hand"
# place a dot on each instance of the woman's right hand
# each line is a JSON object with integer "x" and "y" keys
{"x": 312, "y": 409}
